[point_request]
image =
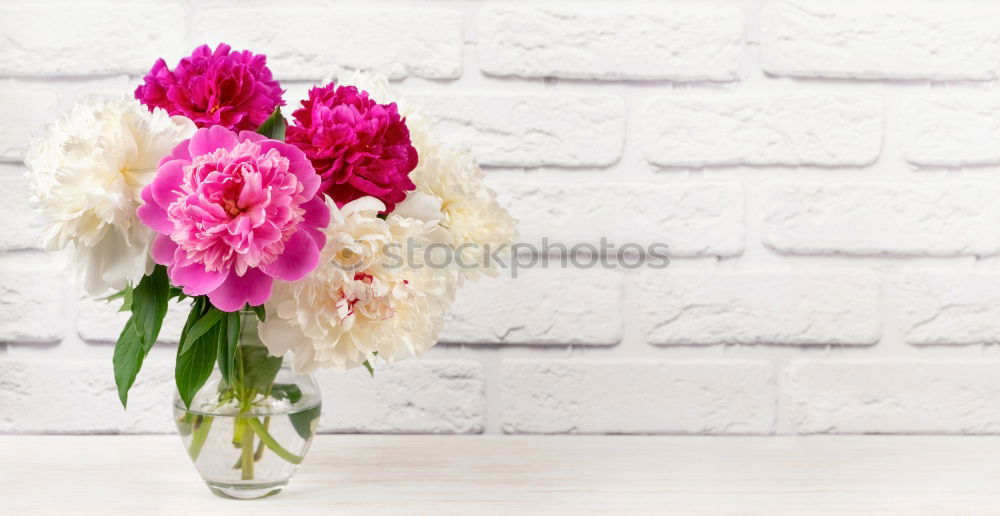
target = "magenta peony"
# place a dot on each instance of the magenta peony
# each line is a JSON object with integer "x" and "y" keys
{"x": 231, "y": 89}
{"x": 232, "y": 213}
{"x": 358, "y": 146}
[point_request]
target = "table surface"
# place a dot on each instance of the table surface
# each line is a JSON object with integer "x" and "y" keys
{"x": 380, "y": 474}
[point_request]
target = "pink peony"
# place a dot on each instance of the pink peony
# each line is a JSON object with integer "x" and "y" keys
{"x": 231, "y": 89}
{"x": 358, "y": 146}
{"x": 232, "y": 213}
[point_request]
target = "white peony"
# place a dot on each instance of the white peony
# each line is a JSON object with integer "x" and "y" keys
{"x": 365, "y": 298}
{"x": 449, "y": 177}
{"x": 451, "y": 188}
{"x": 86, "y": 175}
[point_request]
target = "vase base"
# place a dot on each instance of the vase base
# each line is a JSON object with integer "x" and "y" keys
{"x": 246, "y": 492}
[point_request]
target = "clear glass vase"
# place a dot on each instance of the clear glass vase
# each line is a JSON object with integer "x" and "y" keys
{"x": 247, "y": 439}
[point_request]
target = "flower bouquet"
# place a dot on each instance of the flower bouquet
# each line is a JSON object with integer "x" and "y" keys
{"x": 315, "y": 238}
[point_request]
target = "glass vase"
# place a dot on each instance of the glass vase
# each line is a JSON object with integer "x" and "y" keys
{"x": 247, "y": 438}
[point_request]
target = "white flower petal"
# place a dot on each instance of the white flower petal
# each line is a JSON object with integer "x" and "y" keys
{"x": 358, "y": 301}
{"x": 86, "y": 175}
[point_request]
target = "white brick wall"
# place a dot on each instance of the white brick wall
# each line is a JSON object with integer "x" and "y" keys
{"x": 551, "y": 306}
{"x": 570, "y": 396}
{"x": 697, "y": 219}
{"x": 825, "y": 174}
{"x": 895, "y": 39}
{"x": 787, "y": 129}
{"x": 759, "y": 307}
{"x": 88, "y": 37}
{"x": 942, "y": 307}
{"x": 940, "y": 218}
{"x": 951, "y": 130}
{"x": 531, "y": 130}
{"x": 683, "y": 41}
{"x": 310, "y": 43}
{"x": 894, "y": 396}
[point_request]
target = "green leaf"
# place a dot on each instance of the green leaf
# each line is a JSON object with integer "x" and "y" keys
{"x": 286, "y": 391}
{"x": 368, "y": 365}
{"x": 194, "y": 367}
{"x": 125, "y": 295}
{"x": 177, "y": 293}
{"x": 149, "y": 304}
{"x": 261, "y": 313}
{"x": 259, "y": 367}
{"x": 129, "y": 354}
{"x": 126, "y": 299}
{"x": 197, "y": 307}
{"x": 116, "y": 295}
{"x": 303, "y": 421}
{"x": 205, "y": 323}
{"x": 229, "y": 345}
{"x": 274, "y": 126}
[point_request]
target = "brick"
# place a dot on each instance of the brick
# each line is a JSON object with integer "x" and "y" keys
{"x": 100, "y": 321}
{"x": 22, "y": 223}
{"x": 398, "y": 41}
{"x": 25, "y": 110}
{"x": 940, "y": 218}
{"x": 58, "y": 395}
{"x": 411, "y": 396}
{"x": 759, "y": 307}
{"x": 880, "y": 40}
{"x": 951, "y": 130}
{"x": 637, "y": 396}
{"x": 894, "y": 396}
{"x": 785, "y": 129}
{"x": 31, "y": 292}
{"x": 88, "y": 38}
{"x": 948, "y": 306}
{"x": 540, "y": 306}
{"x": 531, "y": 129}
{"x": 417, "y": 396}
{"x": 692, "y": 219}
{"x": 678, "y": 42}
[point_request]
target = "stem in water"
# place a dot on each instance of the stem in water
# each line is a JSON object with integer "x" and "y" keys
{"x": 202, "y": 425}
{"x": 269, "y": 441}
{"x": 246, "y": 450}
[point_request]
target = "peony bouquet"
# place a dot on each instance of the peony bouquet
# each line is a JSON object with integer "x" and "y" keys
{"x": 295, "y": 235}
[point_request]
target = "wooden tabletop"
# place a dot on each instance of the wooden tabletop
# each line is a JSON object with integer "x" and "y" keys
{"x": 480, "y": 475}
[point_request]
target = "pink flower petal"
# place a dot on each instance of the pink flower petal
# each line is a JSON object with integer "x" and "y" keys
{"x": 317, "y": 213}
{"x": 318, "y": 236}
{"x": 195, "y": 280}
{"x": 252, "y": 136}
{"x": 180, "y": 152}
{"x": 233, "y": 89}
{"x": 163, "y": 250}
{"x": 207, "y": 140}
{"x": 301, "y": 255}
{"x": 254, "y": 287}
{"x": 152, "y": 215}
{"x": 235, "y": 206}
{"x": 307, "y": 175}
{"x": 164, "y": 187}
{"x": 298, "y": 164}
{"x": 253, "y": 192}
{"x": 357, "y": 146}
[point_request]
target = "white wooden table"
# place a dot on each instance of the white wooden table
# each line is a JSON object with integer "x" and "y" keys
{"x": 483, "y": 475}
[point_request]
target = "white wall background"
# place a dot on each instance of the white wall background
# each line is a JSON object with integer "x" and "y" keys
{"x": 825, "y": 173}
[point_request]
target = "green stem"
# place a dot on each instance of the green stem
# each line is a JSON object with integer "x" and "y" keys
{"x": 202, "y": 425}
{"x": 246, "y": 450}
{"x": 260, "y": 446}
{"x": 269, "y": 441}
